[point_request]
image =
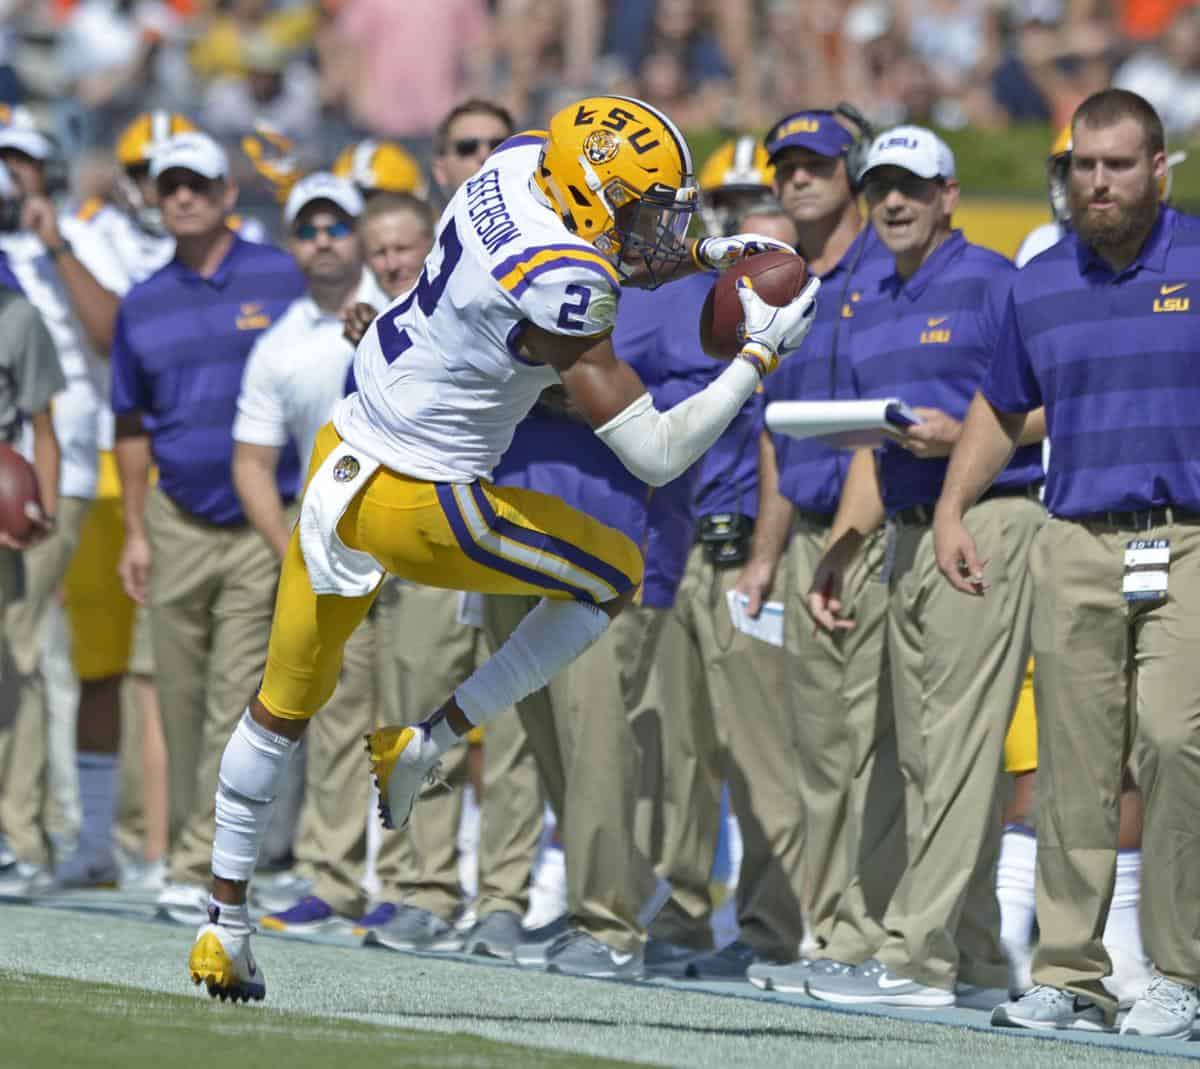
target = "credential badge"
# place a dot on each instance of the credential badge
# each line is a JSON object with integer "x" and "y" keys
{"x": 600, "y": 146}
{"x": 345, "y": 469}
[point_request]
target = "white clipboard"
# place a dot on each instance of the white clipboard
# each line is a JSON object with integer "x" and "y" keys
{"x": 841, "y": 424}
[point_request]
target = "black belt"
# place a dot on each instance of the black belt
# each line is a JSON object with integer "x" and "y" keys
{"x": 922, "y": 515}
{"x": 814, "y": 519}
{"x": 1139, "y": 519}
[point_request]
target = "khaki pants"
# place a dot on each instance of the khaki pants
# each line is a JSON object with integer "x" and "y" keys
{"x": 957, "y": 664}
{"x": 735, "y": 727}
{"x": 211, "y": 598}
{"x": 23, "y": 702}
{"x": 840, "y": 694}
{"x": 1115, "y": 679}
{"x": 578, "y": 731}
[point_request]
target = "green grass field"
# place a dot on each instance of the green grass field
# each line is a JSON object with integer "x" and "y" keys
{"x": 47, "y": 1022}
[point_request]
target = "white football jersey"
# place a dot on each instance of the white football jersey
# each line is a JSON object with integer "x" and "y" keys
{"x": 441, "y": 385}
{"x": 140, "y": 253}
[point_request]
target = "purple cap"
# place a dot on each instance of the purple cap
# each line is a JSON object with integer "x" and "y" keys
{"x": 817, "y": 131}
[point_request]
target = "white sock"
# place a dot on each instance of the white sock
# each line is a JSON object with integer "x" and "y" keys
{"x": 1016, "y": 875}
{"x": 251, "y": 769}
{"x": 544, "y": 643}
{"x": 1122, "y": 931}
{"x": 97, "y": 801}
{"x": 235, "y": 918}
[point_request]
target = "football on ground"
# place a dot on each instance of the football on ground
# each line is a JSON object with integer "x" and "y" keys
{"x": 18, "y": 490}
{"x": 778, "y": 278}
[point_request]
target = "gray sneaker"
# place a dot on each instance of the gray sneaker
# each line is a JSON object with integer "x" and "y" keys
{"x": 496, "y": 936}
{"x": 792, "y": 978}
{"x": 1166, "y": 1009}
{"x": 416, "y": 929}
{"x": 576, "y": 953}
{"x": 1048, "y": 1009}
{"x": 664, "y": 958}
{"x": 728, "y": 963}
{"x": 871, "y": 983}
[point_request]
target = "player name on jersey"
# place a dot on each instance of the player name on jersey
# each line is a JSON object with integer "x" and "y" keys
{"x": 488, "y": 212}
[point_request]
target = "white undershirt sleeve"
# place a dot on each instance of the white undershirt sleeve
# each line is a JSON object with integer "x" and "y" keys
{"x": 660, "y": 446}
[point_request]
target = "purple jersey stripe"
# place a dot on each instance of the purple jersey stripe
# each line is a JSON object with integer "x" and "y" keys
{"x": 502, "y": 269}
{"x": 557, "y": 264}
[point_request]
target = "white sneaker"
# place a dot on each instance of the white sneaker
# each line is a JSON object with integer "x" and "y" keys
{"x": 1129, "y": 979}
{"x": 1167, "y": 1009}
{"x": 182, "y": 903}
{"x": 403, "y": 760}
{"x": 22, "y": 877}
{"x": 221, "y": 960}
{"x": 144, "y": 877}
{"x": 1048, "y": 1009}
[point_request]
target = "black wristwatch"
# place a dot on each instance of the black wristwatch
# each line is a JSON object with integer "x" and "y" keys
{"x": 61, "y": 249}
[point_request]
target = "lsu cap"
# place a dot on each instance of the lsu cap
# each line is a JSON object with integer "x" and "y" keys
{"x": 193, "y": 151}
{"x": 913, "y": 148}
{"x": 321, "y": 185}
{"x": 817, "y": 131}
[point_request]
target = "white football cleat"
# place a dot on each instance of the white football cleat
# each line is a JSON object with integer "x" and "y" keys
{"x": 222, "y": 961}
{"x": 403, "y": 760}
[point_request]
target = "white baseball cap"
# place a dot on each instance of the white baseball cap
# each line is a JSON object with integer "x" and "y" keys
{"x": 321, "y": 185}
{"x": 193, "y": 151}
{"x": 913, "y": 148}
{"x": 28, "y": 140}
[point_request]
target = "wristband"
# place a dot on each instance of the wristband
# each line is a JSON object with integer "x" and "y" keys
{"x": 759, "y": 357}
{"x": 696, "y": 255}
{"x": 59, "y": 250}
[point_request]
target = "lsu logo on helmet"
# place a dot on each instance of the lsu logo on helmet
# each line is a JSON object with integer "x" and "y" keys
{"x": 619, "y": 174}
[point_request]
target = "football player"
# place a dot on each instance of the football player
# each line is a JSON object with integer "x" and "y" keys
{"x": 735, "y": 181}
{"x": 379, "y": 167}
{"x": 519, "y": 292}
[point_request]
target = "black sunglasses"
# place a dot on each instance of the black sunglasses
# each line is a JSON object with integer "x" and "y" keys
{"x": 468, "y": 146}
{"x": 180, "y": 179}
{"x": 876, "y": 186}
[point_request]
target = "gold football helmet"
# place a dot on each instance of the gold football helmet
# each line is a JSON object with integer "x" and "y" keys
{"x": 736, "y": 178}
{"x": 135, "y": 145}
{"x": 380, "y": 166}
{"x": 619, "y": 174}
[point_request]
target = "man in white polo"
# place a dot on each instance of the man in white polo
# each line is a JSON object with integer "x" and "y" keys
{"x": 295, "y": 374}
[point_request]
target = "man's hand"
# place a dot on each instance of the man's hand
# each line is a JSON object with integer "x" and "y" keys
{"x": 39, "y": 217}
{"x": 356, "y": 322}
{"x": 770, "y": 331}
{"x": 134, "y": 567}
{"x": 957, "y": 557}
{"x": 825, "y": 595}
{"x": 721, "y": 253}
{"x": 42, "y": 526}
{"x": 933, "y": 437}
{"x": 755, "y": 582}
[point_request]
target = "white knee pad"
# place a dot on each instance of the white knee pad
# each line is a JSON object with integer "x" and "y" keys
{"x": 251, "y": 768}
{"x": 544, "y": 643}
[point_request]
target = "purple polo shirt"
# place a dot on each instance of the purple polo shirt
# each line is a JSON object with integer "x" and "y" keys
{"x": 811, "y": 473}
{"x": 179, "y": 349}
{"x": 929, "y": 340}
{"x": 563, "y": 457}
{"x": 1113, "y": 358}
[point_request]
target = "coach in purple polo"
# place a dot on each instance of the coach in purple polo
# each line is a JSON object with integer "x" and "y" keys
{"x": 1101, "y": 330}
{"x": 181, "y": 342}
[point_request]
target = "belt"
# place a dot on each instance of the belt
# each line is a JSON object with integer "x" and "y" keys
{"x": 1139, "y": 519}
{"x": 814, "y": 519}
{"x": 922, "y": 515}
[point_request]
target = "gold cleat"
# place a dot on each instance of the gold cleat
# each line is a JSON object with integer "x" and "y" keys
{"x": 222, "y": 962}
{"x": 403, "y": 760}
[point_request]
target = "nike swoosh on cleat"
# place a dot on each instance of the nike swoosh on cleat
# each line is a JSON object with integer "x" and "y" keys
{"x": 620, "y": 959}
{"x": 887, "y": 983}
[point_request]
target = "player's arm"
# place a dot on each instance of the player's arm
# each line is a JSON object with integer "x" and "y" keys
{"x": 711, "y": 254}
{"x": 132, "y": 451}
{"x": 254, "y": 478}
{"x": 771, "y": 530}
{"x": 39, "y": 377}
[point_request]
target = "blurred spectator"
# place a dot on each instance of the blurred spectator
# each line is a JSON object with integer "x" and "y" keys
{"x": 275, "y": 89}
{"x": 1169, "y": 75}
{"x": 221, "y": 48}
{"x": 1144, "y": 20}
{"x": 396, "y": 75}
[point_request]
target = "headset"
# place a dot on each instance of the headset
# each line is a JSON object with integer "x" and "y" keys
{"x": 860, "y": 147}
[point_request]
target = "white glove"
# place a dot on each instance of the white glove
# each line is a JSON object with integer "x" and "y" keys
{"x": 769, "y": 332}
{"x": 720, "y": 253}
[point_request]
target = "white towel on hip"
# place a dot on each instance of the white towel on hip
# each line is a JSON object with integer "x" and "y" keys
{"x": 333, "y": 567}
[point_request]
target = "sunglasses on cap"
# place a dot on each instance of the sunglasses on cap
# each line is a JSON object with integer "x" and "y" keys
{"x": 309, "y": 231}
{"x": 468, "y": 146}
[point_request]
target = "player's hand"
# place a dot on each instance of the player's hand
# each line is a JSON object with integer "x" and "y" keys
{"x": 134, "y": 567}
{"x": 40, "y": 217}
{"x": 755, "y": 582}
{"x": 271, "y": 154}
{"x": 824, "y": 598}
{"x": 956, "y": 554}
{"x": 717, "y": 254}
{"x": 933, "y": 437}
{"x": 356, "y": 322}
{"x": 768, "y": 331}
{"x": 42, "y": 527}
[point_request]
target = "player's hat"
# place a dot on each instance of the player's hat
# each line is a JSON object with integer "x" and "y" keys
{"x": 193, "y": 151}
{"x": 377, "y": 166}
{"x": 19, "y": 131}
{"x": 321, "y": 185}
{"x": 913, "y": 148}
{"x": 138, "y": 141}
{"x": 817, "y": 131}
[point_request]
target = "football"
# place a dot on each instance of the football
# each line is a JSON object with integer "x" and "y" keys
{"x": 778, "y": 278}
{"x": 18, "y": 487}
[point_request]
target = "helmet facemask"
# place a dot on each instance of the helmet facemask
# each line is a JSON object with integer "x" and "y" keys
{"x": 649, "y": 230}
{"x": 130, "y": 199}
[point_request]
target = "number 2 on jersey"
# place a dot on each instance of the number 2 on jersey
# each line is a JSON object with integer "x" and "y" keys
{"x": 426, "y": 293}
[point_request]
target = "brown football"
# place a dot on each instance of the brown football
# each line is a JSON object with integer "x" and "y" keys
{"x": 778, "y": 278}
{"x": 18, "y": 487}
